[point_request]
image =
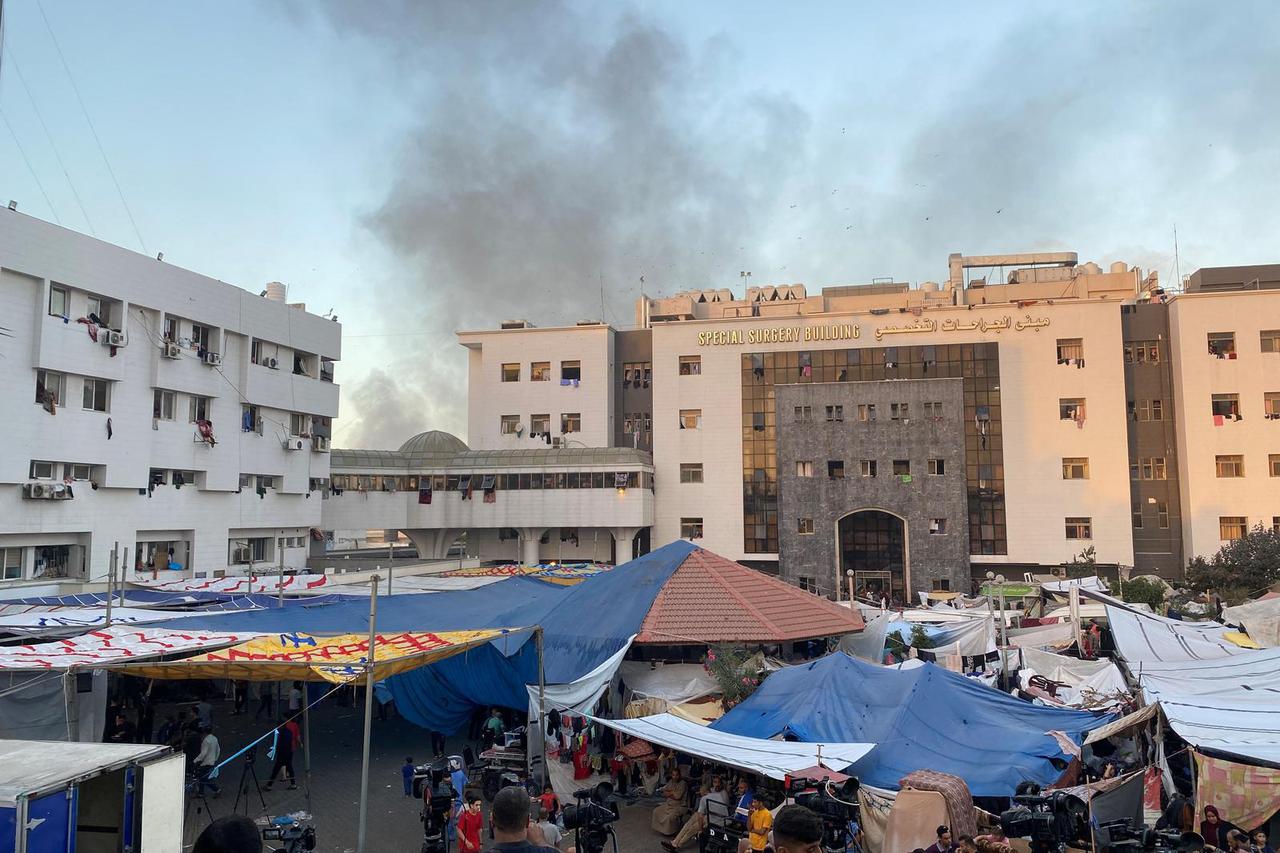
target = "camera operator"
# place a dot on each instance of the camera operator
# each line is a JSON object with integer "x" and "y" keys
{"x": 512, "y": 830}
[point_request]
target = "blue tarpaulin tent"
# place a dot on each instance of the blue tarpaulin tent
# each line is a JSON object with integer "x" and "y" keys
{"x": 583, "y": 625}
{"x": 920, "y": 719}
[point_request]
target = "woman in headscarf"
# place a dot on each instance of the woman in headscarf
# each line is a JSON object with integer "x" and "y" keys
{"x": 1214, "y": 829}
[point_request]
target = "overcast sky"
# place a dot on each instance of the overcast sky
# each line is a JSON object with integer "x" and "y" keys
{"x": 422, "y": 167}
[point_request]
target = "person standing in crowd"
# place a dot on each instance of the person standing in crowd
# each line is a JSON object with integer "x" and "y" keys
{"x": 407, "y": 773}
{"x": 742, "y": 811}
{"x": 796, "y": 829}
{"x": 1260, "y": 842}
{"x": 759, "y": 825}
{"x": 146, "y": 719}
{"x": 166, "y": 729}
{"x": 469, "y": 823}
{"x": 437, "y": 744}
{"x": 284, "y": 759}
{"x": 551, "y": 833}
{"x": 550, "y": 801}
{"x": 944, "y": 844}
{"x": 123, "y": 731}
{"x": 204, "y": 711}
{"x": 295, "y": 698}
{"x": 493, "y": 728}
{"x": 206, "y": 760}
{"x": 241, "y": 698}
{"x": 266, "y": 702}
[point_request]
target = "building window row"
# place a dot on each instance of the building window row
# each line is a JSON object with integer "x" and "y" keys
{"x": 636, "y": 374}
{"x": 1149, "y": 468}
{"x": 65, "y": 471}
{"x": 507, "y": 482}
{"x": 1223, "y": 344}
{"x": 540, "y": 424}
{"x": 540, "y": 371}
{"x": 1142, "y": 352}
{"x": 1231, "y": 465}
{"x": 1146, "y": 410}
{"x": 901, "y": 468}
{"x": 691, "y": 528}
{"x": 690, "y": 365}
{"x": 1079, "y": 527}
{"x": 1226, "y": 407}
{"x": 637, "y": 422}
{"x": 1233, "y": 527}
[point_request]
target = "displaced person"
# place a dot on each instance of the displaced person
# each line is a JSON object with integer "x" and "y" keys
{"x": 742, "y": 810}
{"x": 1212, "y": 829}
{"x": 231, "y": 834}
{"x": 759, "y": 824}
{"x": 284, "y": 759}
{"x": 967, "y": 844}
{"x": 713, "y": 805}
{"x": 944, "y": 843}
{"x": 1260, "y": 842}
{"x": 469, "y": 826}
{"x": 668, "y": 816}
{"x": 550, "y": 832}
{"x": 207, "y": 759}
{"x": 123, "y": 731}
{"x": 550, "y": 801}
{"x": 796, "y": 829}
{"x": 493, "y": 729}
{"x": 406, "y": 773}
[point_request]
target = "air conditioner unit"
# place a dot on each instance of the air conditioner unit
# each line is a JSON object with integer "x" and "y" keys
{"x": 320, "y": 443}
{"x": 272, "y": 363}
{"x": 241, "y": 555}
{"x": 111, "y": 338}
{"x": 294, "y": 442}
{"x": 61, "y": 491}
{"x": 211, "y": 358}
{"x": 37, "y": 491}
{"x": 557, "y": 441}
{"x": 172, "y": 351}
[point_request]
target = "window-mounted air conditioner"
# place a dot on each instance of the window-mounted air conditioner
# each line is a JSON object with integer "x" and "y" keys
{"x": 294, "y": 442}
{"x": 172, "y": 350}
{"x": 211, "y": 358}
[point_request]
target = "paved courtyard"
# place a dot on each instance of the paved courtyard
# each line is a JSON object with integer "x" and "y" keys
{"x": 335, "y": 773}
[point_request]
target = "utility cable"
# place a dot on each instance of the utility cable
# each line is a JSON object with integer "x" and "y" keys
{"x": 30, "y": 168}
{"x": 92, "y": 129}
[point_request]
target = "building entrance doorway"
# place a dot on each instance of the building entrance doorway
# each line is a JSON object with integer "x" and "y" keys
{"x": 873, "y": 546}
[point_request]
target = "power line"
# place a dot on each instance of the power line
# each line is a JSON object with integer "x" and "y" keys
{"x": 30, "y": 168}
{"x": 52, "y": 146}
{"x": 92, "y": 129}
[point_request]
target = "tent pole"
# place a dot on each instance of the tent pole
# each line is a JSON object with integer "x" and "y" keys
{"x": 368, "y": 714}
{"x": 306, "y": 742}
{"x": 542, "y": 708}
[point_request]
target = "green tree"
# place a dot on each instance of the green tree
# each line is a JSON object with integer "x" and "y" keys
{"x": 735, "y": 671}
{"x": 1240, "y": 568}
{"x": 1144, "y": 591}
{"x": 1084, "y": 564}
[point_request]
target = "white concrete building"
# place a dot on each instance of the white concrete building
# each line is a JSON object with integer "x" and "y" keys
{"x": 107, "y": 441}
{"x": 1085, "y": 417}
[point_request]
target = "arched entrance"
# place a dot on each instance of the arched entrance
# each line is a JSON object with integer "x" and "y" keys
{"x": 873, "y": 544}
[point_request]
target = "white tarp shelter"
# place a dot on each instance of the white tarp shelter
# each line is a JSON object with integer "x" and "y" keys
{"x": 1261, "y": 618}
{"x": 675, "y": 683}
{"x": 1146, "y": 638}
{"x": 773, "y": 758}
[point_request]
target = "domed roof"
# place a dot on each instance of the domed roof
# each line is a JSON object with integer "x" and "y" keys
{"x": 434, "y": 441}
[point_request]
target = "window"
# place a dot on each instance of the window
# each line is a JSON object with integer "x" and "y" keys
{"x": 51, "y": 387}
{"x": 1162, "y": 512}
{"x": 1222, "y": 344}
{"x": 804, "y": 469}
{"x": 898, "y": 411}
{"x": 808, "y": 584}
{"x": 1075, "y": 468}
{"x": 42, "y": 470}
{"x": 1271, "y": 405}
{"x": 299, "y": 423}
{"x": 942, "y": 585}
{"x": 1137, "y": 515}
{"x": 540, "y": 371}
{"x": 511, "y": 373}
{"x": 804, "y": 526}
{"x": 1071, "y": 408}
{"x": 902, "y": 467}
{"x": 804, "y": 414}
{"x": 933, "y": 410}
{"x": 938, "y": 527}
{"x": 691, "y": 528}
{"x": 570, "y": 371}
{"x": 937, "y": 467}
{"x": 691, "y": 472}
{"x": 868, "y": 467}
{"x": 509, "y": 424}
{"x": 246, "y": 481}
{"x": 1070, "y": 350}
{"x": 198, "y": 409}
{"x": 570, "y": 422}
{"x": 1149, "y": 468}
{"x": 1142, "y": 352}
{"x": 1275, "y": 524}
{"x": 10, "y": 564}
{"x": 77, "y": 471}
{"x": 302, "y": 364}
{"x": 1232, "y": 527}
{"x": 162, "y": 405}
{"x": 835, "y": 469}
{"x": 866, "y": 411}
{"x": 250, "y": 419}
{"x": 1229, "y": 466}
{"x": 59, "y": 304}
{"x": 540, "y": 424}
{"x": 170, "y": 329}
{"x": 201, "y": 336}
{"x": 248, "y": 550}
{"x": 1157, "y": 410}
{"x": 1079, "y": 528}
{"x": 96, "y": 392}
{"x": 1273, "y": 462}
{"x": 263, "y": 352}
{"x": 690, "y": 365}
{"x": 266, "y": 481}
{"x": 636, "y": 374}
{"x": 691, "y": 419}
{"x": 1269, "y": 339}
{"x": 835, "y": 414}
{"x": 1226, "y": 406}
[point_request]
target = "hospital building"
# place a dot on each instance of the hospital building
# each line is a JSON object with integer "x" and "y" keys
{"x": 1022, "y": 411}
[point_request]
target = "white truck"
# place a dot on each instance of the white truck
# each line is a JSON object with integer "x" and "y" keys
{"x": 59, "y": 797}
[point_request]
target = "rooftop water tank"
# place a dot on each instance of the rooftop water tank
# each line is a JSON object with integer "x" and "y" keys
{"x": 276, "y": 291}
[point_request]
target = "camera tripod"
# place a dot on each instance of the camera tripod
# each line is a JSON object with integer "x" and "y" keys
{"x": 248, "y": 771}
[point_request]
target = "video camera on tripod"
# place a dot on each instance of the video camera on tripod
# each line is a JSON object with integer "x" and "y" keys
{"x": 591, "y": 818}
{"x": 836, "y": 804}
{"x": 432, "y": 786}
{"x": 1051, "y": 821}
{"x": 1122, "y": 835}
{"x": 292, "y": 831}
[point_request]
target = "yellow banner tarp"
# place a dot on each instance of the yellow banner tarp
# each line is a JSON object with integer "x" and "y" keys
{"x": 306, "y": 657}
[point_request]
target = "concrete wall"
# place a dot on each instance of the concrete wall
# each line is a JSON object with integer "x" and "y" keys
{"x": 1199, "y": 375}
{"x": 489, "y": 398}
{"x": 35, "y": 256}
{"x": 928, "y": 557}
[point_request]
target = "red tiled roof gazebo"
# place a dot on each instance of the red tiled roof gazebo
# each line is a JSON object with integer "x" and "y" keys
{"x": 711, "y": 599}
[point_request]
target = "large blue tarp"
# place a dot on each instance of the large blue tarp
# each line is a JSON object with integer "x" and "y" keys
{"x": 926, "y": 718}
{"x": 195, "y": 600}
{"x": 583, "y": 625}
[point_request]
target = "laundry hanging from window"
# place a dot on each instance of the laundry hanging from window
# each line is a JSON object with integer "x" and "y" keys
{"x": 488, "y": 485}
{"x": 464, "y": 486}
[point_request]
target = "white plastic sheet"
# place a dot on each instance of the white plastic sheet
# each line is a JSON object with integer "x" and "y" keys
{"x": 773, "y": 758}
{"x": 1260, "y": 618}
{"x": 674, "y": 682}
{"x": 579, "y": 696}
{"x": 112, "y": 645}
{"x": 1147, "y": 638}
